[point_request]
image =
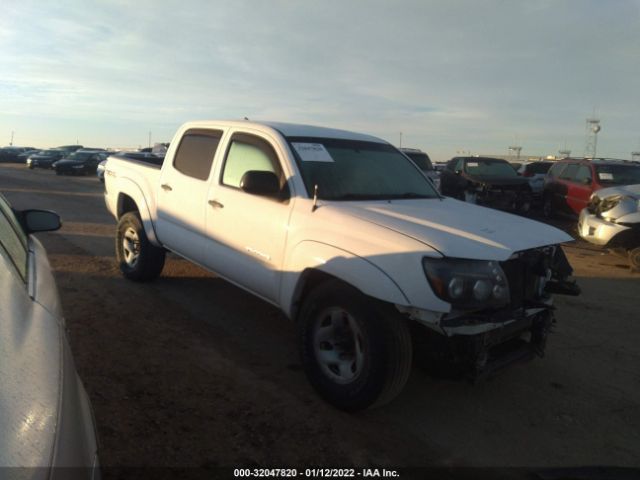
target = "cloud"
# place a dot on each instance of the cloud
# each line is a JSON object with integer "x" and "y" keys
{"x": 443, "y": 73}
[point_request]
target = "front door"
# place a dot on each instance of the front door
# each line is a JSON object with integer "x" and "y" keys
{"x": 246, "y": 233}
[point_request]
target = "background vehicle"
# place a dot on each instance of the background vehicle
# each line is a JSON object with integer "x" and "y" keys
{"x": 535, "y": 172}
{"x": 422, "y": 160}
{"x": 11, "y": 154}
{"x": 45, "y": 158}
{"x": 570, "y": 182}
{"x": 491, "y": 182}
{"x": 342, "y": 233}
{"x": 612, "y": 219}
{"x": 80, "y": 162}
{"x": 45, "y": 413}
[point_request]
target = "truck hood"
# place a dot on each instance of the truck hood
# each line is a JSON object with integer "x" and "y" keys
{"x": 456, "y": 229}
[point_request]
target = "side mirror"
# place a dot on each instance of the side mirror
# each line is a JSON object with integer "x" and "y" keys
{"x": 261, "y": 183}
{"x": 458, "y": 171}
{"x": 586, "y": 181}
{"x": 40, "y": 221}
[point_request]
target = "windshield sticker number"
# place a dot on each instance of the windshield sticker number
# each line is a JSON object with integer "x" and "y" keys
{"x": 605, "y": 176}
{"x": 312, "y": 152}
{"x": 472, "y": 164}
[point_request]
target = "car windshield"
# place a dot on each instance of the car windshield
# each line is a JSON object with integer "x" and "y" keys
{"x": 357, "y": 170}
{"x": 618, "y": 174}
{"x": 79, "y": 156}
{"x": 489, "y": 167}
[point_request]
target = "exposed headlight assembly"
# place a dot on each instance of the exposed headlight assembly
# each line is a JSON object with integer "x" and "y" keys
{"x": 617, "y": 206}
{"x": 467, "y": 284}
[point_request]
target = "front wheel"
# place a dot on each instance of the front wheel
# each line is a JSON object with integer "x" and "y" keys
{"x": 355, "y": 350}
{"x": 138, "y": 259}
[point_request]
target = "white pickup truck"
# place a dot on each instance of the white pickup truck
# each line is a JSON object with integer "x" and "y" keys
{"x": 351, "y": 240}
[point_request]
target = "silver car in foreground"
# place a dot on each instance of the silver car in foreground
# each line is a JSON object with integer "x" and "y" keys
{"x": 46, "y": 421}
{"x": 612, "y": 219}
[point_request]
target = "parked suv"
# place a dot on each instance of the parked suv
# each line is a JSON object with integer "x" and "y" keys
{"x": 570, "y": 182}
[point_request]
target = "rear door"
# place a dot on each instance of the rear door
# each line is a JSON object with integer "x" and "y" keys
{"x": 580, "y": 189}
{"x": 182, "y": 196}
{"x": 246, "y": 233}
{"x": 562, "y": 186}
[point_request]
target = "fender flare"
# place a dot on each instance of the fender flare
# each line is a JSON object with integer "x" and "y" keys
{"x": 312, "y": 256}
{"x": 127, "y": 187}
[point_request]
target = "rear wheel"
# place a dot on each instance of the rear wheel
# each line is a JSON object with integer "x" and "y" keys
{"x": 355, "y": 350}
{"x": 138, "y": 259}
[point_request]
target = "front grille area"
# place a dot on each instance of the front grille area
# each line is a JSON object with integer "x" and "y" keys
{"x": 524, "y": 274}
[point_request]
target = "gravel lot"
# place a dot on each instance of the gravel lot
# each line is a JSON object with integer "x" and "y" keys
{"x": 191, "y": 371}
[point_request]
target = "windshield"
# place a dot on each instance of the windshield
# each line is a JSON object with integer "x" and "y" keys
{"x": 489, "y": 167}
{"x": 618, "y": 174}
{"x": 357, "y": 170}
{"x": 79, "y": 156}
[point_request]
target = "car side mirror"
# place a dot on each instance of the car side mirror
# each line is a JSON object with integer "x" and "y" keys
{"x": 40, "y": 221}
{"x": 261, "y": 183}
{"x": 586, "y": 181}
{"x": 458, "y": 171}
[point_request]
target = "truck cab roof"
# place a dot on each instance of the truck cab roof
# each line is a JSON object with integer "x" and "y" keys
{"x": 288, "y": 129}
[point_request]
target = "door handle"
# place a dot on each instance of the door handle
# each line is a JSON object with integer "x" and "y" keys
{"x": 215, "y": 203}
{"x": 166, "y": 187}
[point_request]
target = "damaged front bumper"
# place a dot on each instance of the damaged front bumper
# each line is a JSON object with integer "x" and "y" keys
{"x": 486, "y": 340}
{"x": 597, "y": 230}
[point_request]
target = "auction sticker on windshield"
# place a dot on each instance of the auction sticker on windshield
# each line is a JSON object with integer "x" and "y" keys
{"x": 312, "y": 152}
{"x": 605, "y": 176}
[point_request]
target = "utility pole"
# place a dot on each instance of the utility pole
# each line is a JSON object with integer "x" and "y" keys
{"x": 11, "y": 142}
{"x": 149, "y": 138}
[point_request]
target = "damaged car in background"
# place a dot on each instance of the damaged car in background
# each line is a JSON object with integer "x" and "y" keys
{"x": 491, "y": 182}
{"x": 612, "y": 220}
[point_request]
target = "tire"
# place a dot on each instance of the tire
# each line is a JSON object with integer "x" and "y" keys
{"x": 137, "y": 258}
{"x": 634, "y": 259}
{"x": 355, "y": 350}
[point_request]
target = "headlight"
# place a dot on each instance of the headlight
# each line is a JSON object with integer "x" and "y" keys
{"x": 467, "y": 284}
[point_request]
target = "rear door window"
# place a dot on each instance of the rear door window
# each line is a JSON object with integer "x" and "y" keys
{"x": 583, "y": 174}
{"x": 556, "y": 170}
{"x": 570, "y": 172}
{"x": 196, "y": 152}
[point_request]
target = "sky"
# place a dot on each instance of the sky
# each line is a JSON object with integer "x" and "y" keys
{"x": 445, "y": 76}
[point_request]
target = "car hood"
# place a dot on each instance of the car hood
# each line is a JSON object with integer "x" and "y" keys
{"x": 68, "y": 163}
{"x": 457, "y": 229}
{"x": 626, "y": 190}
{"x": 499, "y": 181}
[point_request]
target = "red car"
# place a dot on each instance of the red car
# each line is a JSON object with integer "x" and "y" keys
{"x": 570, "y": 182}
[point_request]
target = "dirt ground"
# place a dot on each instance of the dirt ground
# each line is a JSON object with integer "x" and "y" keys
{"x": 190, "y": 371}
